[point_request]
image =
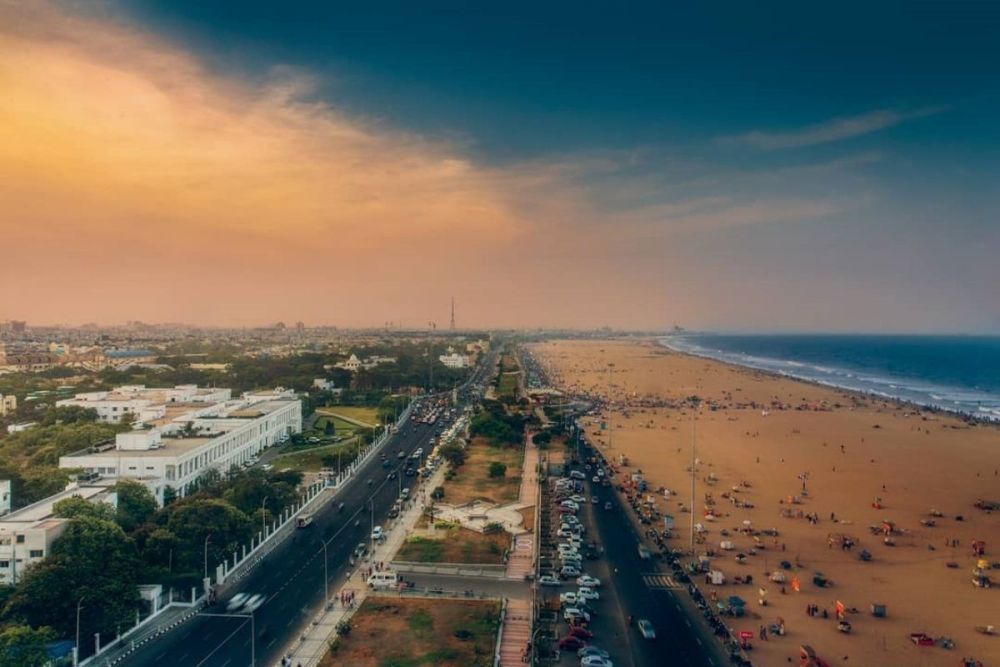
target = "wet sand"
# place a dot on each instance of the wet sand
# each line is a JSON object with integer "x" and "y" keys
{"x": 776, "y": 439}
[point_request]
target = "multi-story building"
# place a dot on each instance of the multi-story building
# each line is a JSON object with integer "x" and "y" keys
{"x": 144, "y": 405}
{"x": 454, "y": 359}
{"x": 8, "y": 404}
{"x": 27, "y": 534}
{"x": 176, "y": 441}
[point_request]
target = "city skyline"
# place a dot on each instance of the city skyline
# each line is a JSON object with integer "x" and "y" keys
{"x": 559, "y": 168}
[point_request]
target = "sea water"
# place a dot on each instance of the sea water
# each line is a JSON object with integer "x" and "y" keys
{"x": 955, "y": 373}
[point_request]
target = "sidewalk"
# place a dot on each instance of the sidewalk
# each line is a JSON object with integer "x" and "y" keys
{"x": 522, "y": 555}
{"x": 516, "y": 636}
{"x": 313, "y": 643}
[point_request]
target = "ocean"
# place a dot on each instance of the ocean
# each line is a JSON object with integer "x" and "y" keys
{"x": 954, "y": 373}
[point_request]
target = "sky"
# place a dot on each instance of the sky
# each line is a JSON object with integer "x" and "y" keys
{"x": 732, "y": 166}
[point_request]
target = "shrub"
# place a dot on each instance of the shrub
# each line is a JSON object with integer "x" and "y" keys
{"x": 497, "y": 469}
{"x": 492, "y": 527}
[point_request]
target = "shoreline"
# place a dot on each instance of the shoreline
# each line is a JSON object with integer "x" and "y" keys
{"x": 813, "y": 464}
{"x": 964, "y": 415}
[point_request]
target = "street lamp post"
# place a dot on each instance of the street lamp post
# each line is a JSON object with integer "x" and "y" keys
{"x": 76, "y": 646}
{"x": 263, "y": 526}
{"x": 207, "y": 580}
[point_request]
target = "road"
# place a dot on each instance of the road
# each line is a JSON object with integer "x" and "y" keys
{"x": 645, "y": 593}
{"x": 291, "y": 576}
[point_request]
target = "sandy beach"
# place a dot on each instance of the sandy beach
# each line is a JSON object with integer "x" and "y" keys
{"x": 819, "y": 465}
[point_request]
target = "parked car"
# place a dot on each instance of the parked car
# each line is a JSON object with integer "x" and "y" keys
{"x": 571, "y": 643}
{"x": 549, "y": 580}
{"x": 646, "y": 629}
{"x": 576, "y": 474}
{"x": 360, "y": 550}
{"x": 569, "y": 571}
{"x": 582, "y": 633}
{"x": 588, "y": 581}
{"x": 568, "y": 597}
{"x": 596, "y": 661}
{"x": 573, "y": 613}
{"x": 596, "y": 479}
{"x": 592, "y": 650}
{"x": 586, "y": 593}
{"x": 377, "y": 533}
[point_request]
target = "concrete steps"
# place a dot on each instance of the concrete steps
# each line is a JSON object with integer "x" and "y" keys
{"x": 516, "y": 633}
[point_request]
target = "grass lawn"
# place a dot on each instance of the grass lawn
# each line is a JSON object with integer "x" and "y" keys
{"x": 508, "y": 384}
{"x": 312, "y": 459}
{"x": 362, "y": 414}
{"x": 389, "y": 632}
{"x": 472, "y": 479}
{"x": 340, "y": 426}
{"x": 456, "y": 545}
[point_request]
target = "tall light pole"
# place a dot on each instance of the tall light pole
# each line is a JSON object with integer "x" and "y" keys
{"x": 263, "y": 526}
{"x": 207, "y": 538}
{"x": 694, "y": 472}
{"x": 326, "y": 577}
{"x": 76, "y": 646}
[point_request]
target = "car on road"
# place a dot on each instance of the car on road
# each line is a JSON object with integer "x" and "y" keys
{"x": 377, "y": 533}
{"x": 360, "y": 550}
{"x": 400, "y": 455}
{"x": 549, "y": 580}
{"x": 237, "y": 601}
{"x": 253, "y": 604}
{"x": 568, "y": 598}
{"x": 588, "y": 581}
{"x": 590, "y": 649}
{"x": 596, "y": 661}
{"x": 392, "y": 475}
{"x": 607, "y": 505}
{"x": 594, "y": 500}
{"x": 596, "y": 479}
{"x": 646, "y": 629}
{"x": 574, "y": 613}
{"x": 571, "y": 643}
{"x": 586, "y": 593}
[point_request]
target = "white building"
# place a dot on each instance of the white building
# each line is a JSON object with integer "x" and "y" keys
{"x": 26, "y": 535}
{"x": 8, "y": 404}
{"x": 177, "y": 441}
{"x": 143, "y": 404}
{"x": 454, "y": 359}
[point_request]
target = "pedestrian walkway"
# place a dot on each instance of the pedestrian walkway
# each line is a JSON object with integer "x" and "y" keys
{"x": 312, "y": 645}
{"x": 660, "y": 581}
{"x": 515, "y": 641}
{"x": 522, "y": 553}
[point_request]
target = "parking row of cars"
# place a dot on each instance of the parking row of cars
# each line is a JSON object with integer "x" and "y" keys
{"x": 566, "y": 549}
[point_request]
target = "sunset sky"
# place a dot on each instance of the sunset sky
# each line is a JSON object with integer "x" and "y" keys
{"x": 574, "y": 164}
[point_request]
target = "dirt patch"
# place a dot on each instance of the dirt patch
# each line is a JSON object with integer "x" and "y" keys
{"x": 387, "y": 632}
{"x": 456, "y": 545}
{"x": 529, "y": 518}
{"x": 472, "y": 480}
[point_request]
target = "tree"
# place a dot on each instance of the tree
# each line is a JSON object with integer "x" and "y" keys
{"x": 497, "y": 469}
{"x": 24, "y": 646}
{"x": 136, "y": 504}
{"x": 437, "y": 493}
{"x": 93, "y": 560}
{"x": 329, "y": 428}
{"x": 453, "y": 454}
{"x": 75, "y": 506}
{"x": 194, "y": 519}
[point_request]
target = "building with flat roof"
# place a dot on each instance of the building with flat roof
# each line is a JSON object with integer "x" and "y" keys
{"x": 8, "y": 405}
{"x": 183, "y": 432}
{"x": 27, "y": 534}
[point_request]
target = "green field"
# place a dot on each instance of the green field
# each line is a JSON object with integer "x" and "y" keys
{"x": 507, "y": 385}
{"x": 312, "y": 459}
{"x": 365, "y": 415}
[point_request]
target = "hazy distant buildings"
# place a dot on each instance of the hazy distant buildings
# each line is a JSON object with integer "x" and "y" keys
{"x": 454, "y": 359}
{"x": 182, "y": 432}
{"x": 354, "y": 364}
{"x": 8, "y": 404}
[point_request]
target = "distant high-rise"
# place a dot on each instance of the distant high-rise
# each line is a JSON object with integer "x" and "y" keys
{"x": 452, "y": 313}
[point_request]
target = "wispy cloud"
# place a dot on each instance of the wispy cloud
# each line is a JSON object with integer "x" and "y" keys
{"x": 835, "y": 129}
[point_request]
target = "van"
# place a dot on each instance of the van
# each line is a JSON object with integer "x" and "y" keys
{"x": 383, "y": 579}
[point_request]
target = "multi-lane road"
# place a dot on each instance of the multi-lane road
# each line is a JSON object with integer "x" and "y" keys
{"x": 291, "y": 576}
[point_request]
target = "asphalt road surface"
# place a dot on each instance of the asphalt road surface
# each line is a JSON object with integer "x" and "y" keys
{"x": 291, "y": 576}
{"x": 679, "y": 641}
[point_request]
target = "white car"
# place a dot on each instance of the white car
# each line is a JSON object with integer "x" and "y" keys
{"x": 238, "y": 600}
{"x": 588, "y": 594}
{"x": 588, "y": 581}
{"x": 596, "y": 479}
{"x": 569, "y": 505}
{"x": 549, "y": 580}
{"x": 646, "y": 629}
{"x": 569, "y": 571}
{"x": 590, "y": 649}
{"x": 572, "y": 613}
{"x": 596, "y": 661}
{"x": 253, "y": 604}
{"x": 577, "y": 498}
{"x": 568, "y": 598}
{"x": 576, "y": 474}
{"x": 377, "y": 533}
{"x": 566, "y": 532}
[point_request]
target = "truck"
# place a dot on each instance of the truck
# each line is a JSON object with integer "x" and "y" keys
{"x": 304, "y": 521}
